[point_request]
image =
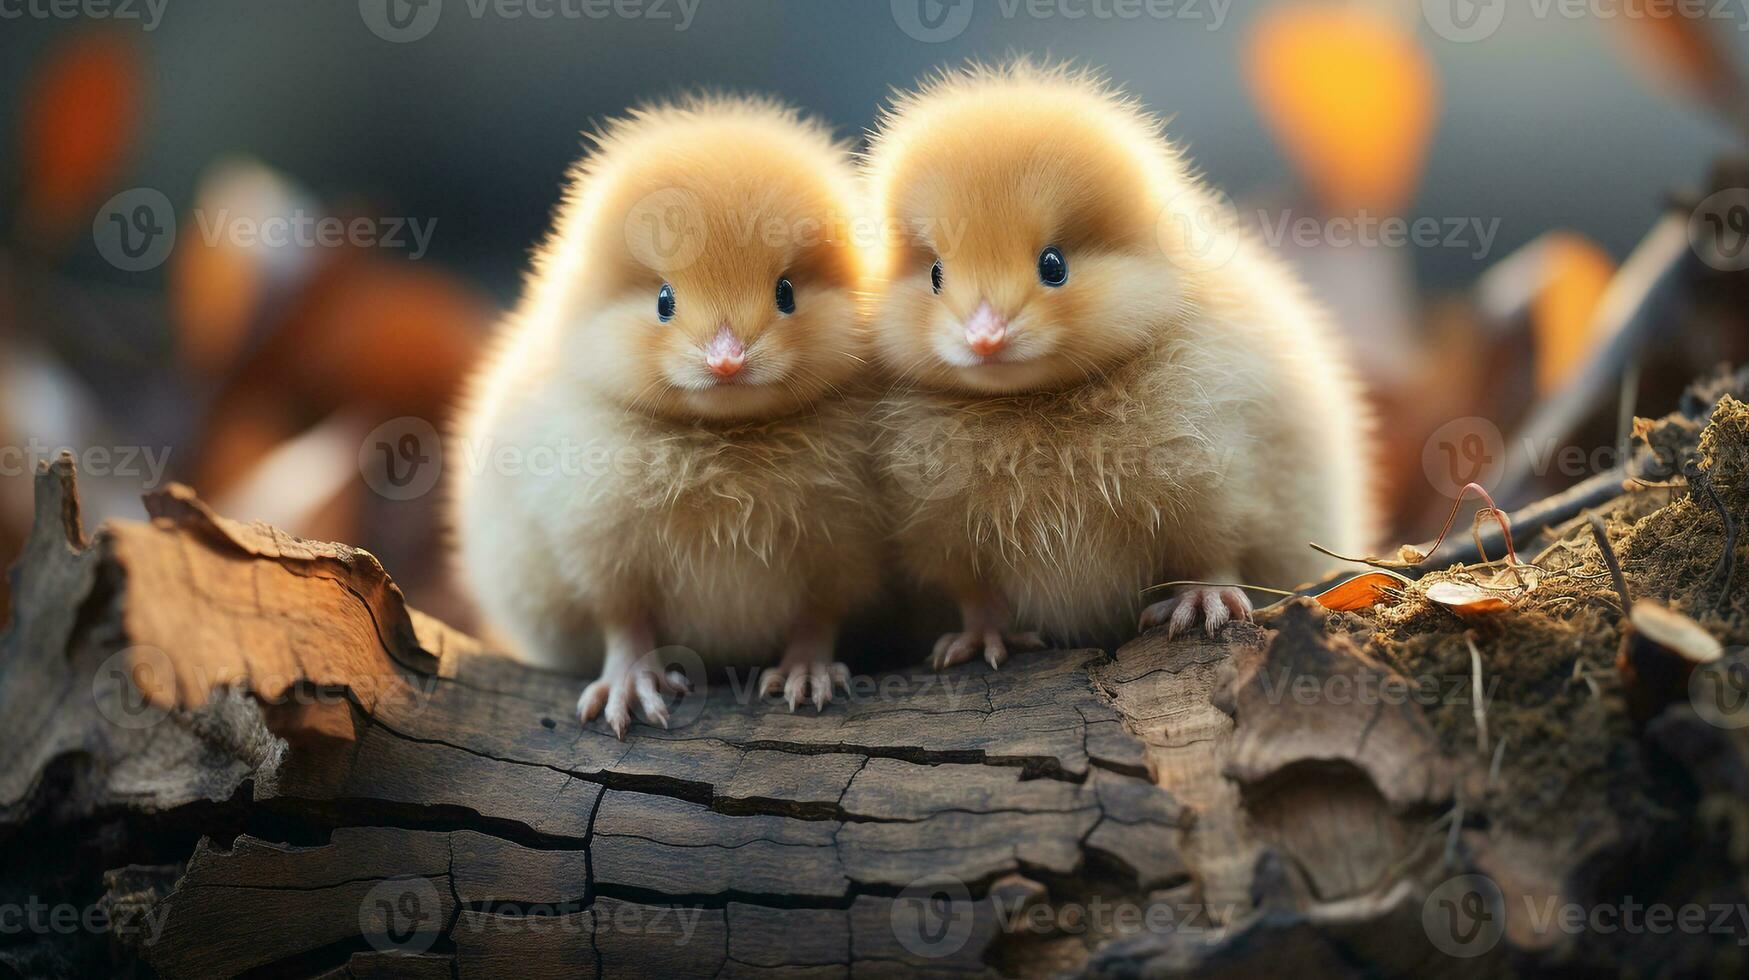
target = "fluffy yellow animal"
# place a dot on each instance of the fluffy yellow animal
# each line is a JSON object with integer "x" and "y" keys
{"x": 1105, "y": 384}
{"x": 661, "y": 449}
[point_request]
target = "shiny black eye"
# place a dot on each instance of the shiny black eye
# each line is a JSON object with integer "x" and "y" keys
{"x": 786, "y": 297}
{"x": 1053, "y": 270}
{"x": 665, "y": 303}
{"x": 935, "y": 276}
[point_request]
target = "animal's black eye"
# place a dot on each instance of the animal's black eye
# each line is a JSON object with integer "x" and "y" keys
{"x": 665, "y": 303}
{"x": 786, "y": 297}
{"x": 935, "y": 276}
{"x": 1053, "y": 270}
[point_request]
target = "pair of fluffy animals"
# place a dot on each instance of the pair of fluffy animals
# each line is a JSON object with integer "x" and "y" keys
{"x": 1010, "y": 355}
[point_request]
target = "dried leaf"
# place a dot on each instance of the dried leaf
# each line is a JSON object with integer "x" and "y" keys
{"x": 1363, "y": 591}
{"x": 1467, "y": 599}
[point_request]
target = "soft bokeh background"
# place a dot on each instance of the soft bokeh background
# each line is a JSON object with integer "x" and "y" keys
{"x": 263, "y": 372}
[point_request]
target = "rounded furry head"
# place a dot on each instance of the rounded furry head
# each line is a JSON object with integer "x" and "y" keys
{"x": 1032, "y": 210}
{"x": 704, "y": 265}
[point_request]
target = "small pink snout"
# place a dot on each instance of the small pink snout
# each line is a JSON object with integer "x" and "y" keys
{"x": 725, "y": 355}
{"x": 986, "y": 331}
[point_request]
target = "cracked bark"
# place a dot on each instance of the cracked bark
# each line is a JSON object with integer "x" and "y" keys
{"x": 266, "y": 764}
{"x": 374, "y": 791}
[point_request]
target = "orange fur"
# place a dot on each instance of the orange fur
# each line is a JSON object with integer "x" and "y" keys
{"x": 1178, "y": 409}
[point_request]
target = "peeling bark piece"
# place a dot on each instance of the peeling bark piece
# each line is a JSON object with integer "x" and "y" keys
{"x": 259, "y": 903}
{"x": 1316, "y": 698}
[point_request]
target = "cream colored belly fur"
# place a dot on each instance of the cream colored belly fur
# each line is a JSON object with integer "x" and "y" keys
{"x": 722, "y": 537}
{"x": 1186, "y": 464}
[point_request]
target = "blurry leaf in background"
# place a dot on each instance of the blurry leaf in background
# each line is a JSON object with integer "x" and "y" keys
{"x": 384, "y": 336}
{"x": 1548, "y": 290}
{"x": 1688, "y": 50}
{"x": 218, "y": 287}
{"x": 1350, "y": 95}
{"x": 79, "y": 123}
{"x": 1564, "y": 313}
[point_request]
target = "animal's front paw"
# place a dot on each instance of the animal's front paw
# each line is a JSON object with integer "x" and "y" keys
{"x": 805, "y": 681}
{"x": 958, "y": 648}
{"x": 1214, "y": 605}
{"x": 611, "y": 697}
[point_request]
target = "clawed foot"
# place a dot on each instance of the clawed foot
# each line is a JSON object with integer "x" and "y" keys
{"x": 986, "y": 627}
{"x": 1214, "y": 605}
{"x": 612, "y": 696}
{"x": 958, "y": 648}
{"x": 805, "y": 681}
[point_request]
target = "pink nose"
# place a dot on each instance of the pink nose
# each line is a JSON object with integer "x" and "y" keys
{"x": 986, "y": 331}
{"x": 725, "y": 355}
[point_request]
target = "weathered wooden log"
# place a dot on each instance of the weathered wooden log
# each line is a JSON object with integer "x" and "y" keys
{"x": 253, "y": 758}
